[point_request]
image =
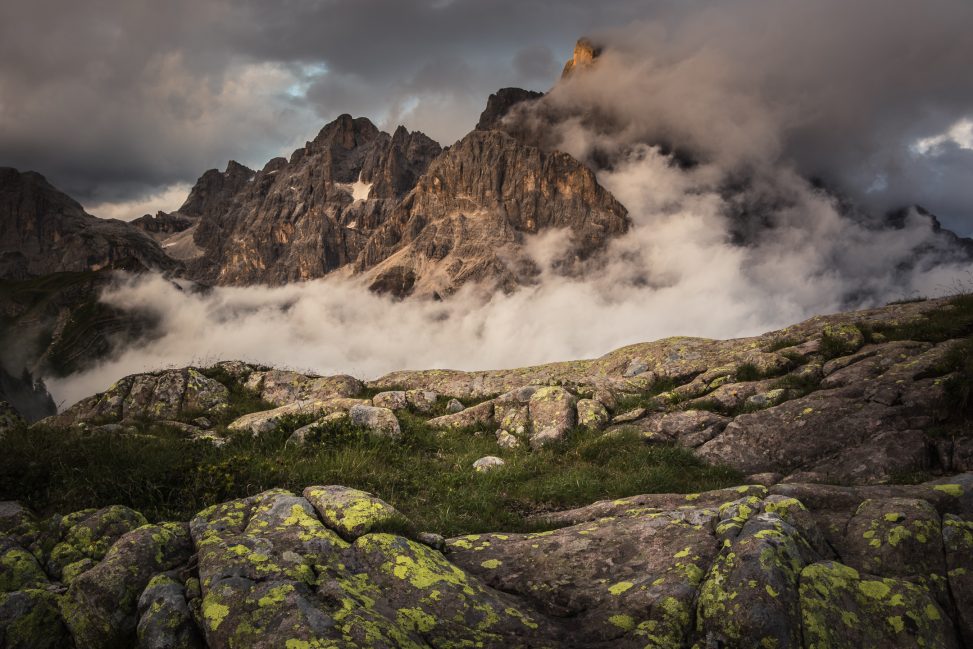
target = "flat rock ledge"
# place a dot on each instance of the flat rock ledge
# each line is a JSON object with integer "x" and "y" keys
{"x": 793, "y": 565}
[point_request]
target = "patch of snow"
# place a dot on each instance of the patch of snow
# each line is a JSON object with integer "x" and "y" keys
{"x": 360, "y": 190}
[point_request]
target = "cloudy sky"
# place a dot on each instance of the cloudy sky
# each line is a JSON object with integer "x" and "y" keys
{"x": 123, "y": 103}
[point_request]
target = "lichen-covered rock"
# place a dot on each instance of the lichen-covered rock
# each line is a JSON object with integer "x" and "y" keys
{"x": 393, "y": 400}
{"x": 20, "y": 524}
{"x": 454, "y": 406}
{"x": 260, "y": 423}
{"x": 480, "y": 414}
{"x": 689, "y": 428}
{"x": 169, "y": 394}
{"x": 592, "y": 414}
{"x": 488, "y": 463}
{"x": 422, "y": 401}
{"x": 300, "y": 436}
{"x": 552, "y": 414}
{"x": 378, "y": 421}
{"x": 630, "y": 580}
{"x": 958, "y": 543}
{"x": 100, "y": 606}
{"x": 165, "y": 621}
{"x": 629, "y": 416}
{"x": 19, "y": 569}
{"x": 507, "y": 440}
{"x": 842, "y": 608}
{"x": 352, "y": 513}
{"x": 842, "y": 434}
{"x": 92, "y": 536}
{"x": 898, "y": 537}
{"x": 444, "y": 604}
{"x": 272, "y": 575}
{"x": 31, "y": 619}
{"x": 281, "y": 387}
{"x": 750, "y": 595}
{"x": 513, "y": 417}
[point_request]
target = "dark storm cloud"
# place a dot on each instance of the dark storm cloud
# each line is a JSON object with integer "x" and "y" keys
{"x": 116, "y": 99}
{"x": 841, "y": 89}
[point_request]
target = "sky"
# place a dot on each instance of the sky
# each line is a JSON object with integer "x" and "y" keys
{"x": 124, "y": 103}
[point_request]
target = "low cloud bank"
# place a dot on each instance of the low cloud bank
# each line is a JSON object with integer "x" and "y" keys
{"x": 677, "y": 272}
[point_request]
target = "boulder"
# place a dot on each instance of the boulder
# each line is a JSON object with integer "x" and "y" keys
{"x": 92, "y": 536}
{"x": 507, "y": 440}
{"x": 260, "y": 423}
{"x": 958, "y": 545}
{"x": 592, "y": 414}
{"x": 281, "y": 387}
{"x": 300, "y": 436}
{"x": 31, "y": 619}
{"x": 422, "y": 401}
{"x": 689, "y": 428}
{"x": 169, "y": 394}
{"x": 488, "y": 463}
{"x": 552, "y": 414}
{"x": 101, "y": 605}
{"x": 165, "y": 621}
{"x": 352, "y": 513}
{"x": 394, "y": 400}
{"x": 478, "y": 415}
{"x": 378, "y": 421}
{"x": 843, "y": 608}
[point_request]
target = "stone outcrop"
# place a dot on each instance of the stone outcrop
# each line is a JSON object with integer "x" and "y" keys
{"x": 744, "y": 566}
{"x": 165, "y": 395}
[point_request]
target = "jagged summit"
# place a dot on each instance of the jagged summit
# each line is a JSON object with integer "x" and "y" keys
{"x": 585, "y": 53}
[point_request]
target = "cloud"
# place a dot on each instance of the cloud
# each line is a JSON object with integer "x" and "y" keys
{"x": 115, "y": 100}
{"x": 167, "y": 200}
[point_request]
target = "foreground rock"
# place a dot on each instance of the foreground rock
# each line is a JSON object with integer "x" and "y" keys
{"x": 786, "y": 566}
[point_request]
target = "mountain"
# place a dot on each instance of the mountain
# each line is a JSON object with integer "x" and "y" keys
{"x": 809, "y": 487}
{"x": 43, "y": 231}
{"x": 397, "y": 209}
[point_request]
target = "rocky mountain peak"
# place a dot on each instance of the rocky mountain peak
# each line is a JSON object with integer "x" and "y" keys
{"x": 585, "y": 53}
{"x": 500, "y": 103}
{"x": 214, "y": 188}
{"x": 475, "y": 204}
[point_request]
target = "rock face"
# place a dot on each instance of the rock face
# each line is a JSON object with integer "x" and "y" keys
{"x": 43, "y": 231}
{"x": 585, "y": 53}
{"x": 396, "y": 208}
{"x": 500, "y": 103}
{"x": 480, "y": 199}
{"x": 738, "y": 567}
{"x": 303, "y": 218}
